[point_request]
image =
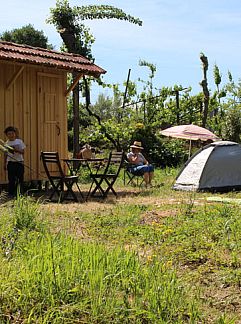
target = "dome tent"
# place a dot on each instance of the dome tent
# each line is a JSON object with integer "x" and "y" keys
{"x": 215, "y": 167}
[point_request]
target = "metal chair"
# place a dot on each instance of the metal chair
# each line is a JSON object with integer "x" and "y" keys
{"x": 58, "y": 179}
{"x": 135, "y": 179}
{"x": 104, "y": 178}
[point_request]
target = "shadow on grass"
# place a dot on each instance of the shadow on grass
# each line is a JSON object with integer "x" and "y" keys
{"x": 43, "y": 196}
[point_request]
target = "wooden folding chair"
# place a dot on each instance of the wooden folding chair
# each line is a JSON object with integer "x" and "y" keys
{"x": 58, "y": 179}
{"x": 104, "y": 179}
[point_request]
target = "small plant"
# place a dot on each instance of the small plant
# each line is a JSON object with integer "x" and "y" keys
{"x": 25, "y": 212}
{"x": 187, "y": 207}
{"x": 9, "y": 242}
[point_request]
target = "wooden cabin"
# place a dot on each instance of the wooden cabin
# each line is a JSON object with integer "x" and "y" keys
{"x": 33, "y": 98}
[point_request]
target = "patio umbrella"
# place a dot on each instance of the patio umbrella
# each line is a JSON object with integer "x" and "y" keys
{"x": 190, "y": 132}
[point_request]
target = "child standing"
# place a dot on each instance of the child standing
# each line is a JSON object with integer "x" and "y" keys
{"x": 13, "y": 161}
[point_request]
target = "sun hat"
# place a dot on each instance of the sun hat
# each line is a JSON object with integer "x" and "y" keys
{"x": 137, "y": 144}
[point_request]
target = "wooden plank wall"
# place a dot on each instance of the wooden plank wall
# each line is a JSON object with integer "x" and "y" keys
{"x": 20, "y": 107}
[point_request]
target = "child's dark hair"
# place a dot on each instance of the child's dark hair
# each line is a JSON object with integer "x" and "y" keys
{"x": 9, "y": 129}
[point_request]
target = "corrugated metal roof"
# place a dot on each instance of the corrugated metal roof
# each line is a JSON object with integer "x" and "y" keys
{"x": 35, "y": 55}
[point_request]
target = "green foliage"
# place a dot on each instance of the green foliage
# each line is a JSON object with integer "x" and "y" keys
{"x": 96, "y": 134}
{"x": 113, "y": 124}
{"x": 142, "y": 120}
{"x": 105, "y": 107}
{"x": 27, "y": 35}
{"x": 69, "y": 23}
{"x": 160, "y": 151}
{"x": 25, "y": 213}
{"x": 22, "y": 222}
{"x": 229, "y": 110}
{"x": 78, "y": 39}
{"x": 217, "y": 76}
{"x": 76, "y": 36}
{"x": 148, "y": 111}
{"x": 151, "y": 66}
{"x": 232, "y": 124}
{"x": 104, "y": 12}
{"x": 115, "y": 121}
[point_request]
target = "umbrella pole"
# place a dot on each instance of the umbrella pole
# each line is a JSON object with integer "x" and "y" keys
{"x": 190, "y": 147}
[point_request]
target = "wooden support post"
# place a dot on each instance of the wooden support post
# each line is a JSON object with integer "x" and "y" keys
{"x": 71, "y": 87}
{"x": 14, "y": 78}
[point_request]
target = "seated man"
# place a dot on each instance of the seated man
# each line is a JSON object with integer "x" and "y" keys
{"x": 140, "y": 165}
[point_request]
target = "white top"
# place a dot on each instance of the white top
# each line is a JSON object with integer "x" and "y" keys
{"x": 18, "y": 144}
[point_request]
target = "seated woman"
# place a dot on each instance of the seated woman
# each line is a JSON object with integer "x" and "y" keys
{"x": 140, "y": 165}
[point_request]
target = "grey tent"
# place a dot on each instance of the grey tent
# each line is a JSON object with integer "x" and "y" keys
{"x": 215, "y": 167}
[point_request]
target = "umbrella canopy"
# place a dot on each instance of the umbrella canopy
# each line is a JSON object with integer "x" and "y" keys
{"x": 190, "y": 132}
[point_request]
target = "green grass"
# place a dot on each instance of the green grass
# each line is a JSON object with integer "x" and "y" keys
{"x": 154, "y": 256}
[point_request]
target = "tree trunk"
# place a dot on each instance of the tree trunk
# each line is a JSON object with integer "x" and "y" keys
{"x": 204, "y": 85}
{"x": 87, "y": 97}
{"x": 68, "y": 36}
{"x": 76, "y": 118}
{"x": 177, "y": 107}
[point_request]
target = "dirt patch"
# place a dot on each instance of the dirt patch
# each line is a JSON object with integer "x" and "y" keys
{"x": 155, "y": 217}
{"x": 127, "y": 196}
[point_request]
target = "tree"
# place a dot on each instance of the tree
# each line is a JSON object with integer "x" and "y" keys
{"x": 78, "y": 39}
{"x": 27, "y": 35}
{"x": 204, "y": 84}
{"x": 232, "y": 123}
{"x": 231, "y": 110}
{"x": 217, "y": 76}
{"x": 147, "y": 96}
{"x": 105, "y": 124}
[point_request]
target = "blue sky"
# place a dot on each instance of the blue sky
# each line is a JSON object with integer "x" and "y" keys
{"x": 173, "y": 34}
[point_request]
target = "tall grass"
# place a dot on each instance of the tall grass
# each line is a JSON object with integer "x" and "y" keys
{"x": 58, "y": 279}
{"x": 136, "y": 264}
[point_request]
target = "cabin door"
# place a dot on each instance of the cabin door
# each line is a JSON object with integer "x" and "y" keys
{"x": 49, "y": 112}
